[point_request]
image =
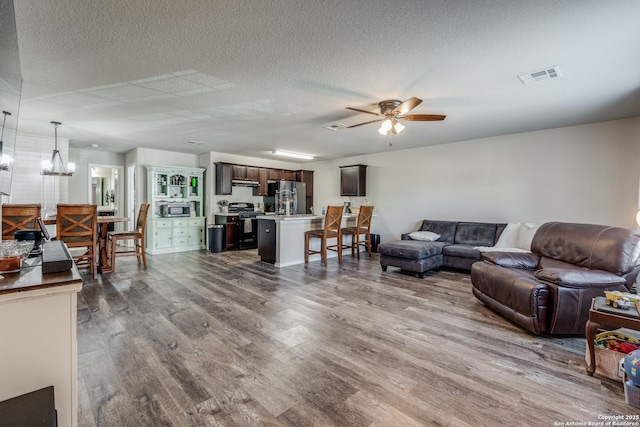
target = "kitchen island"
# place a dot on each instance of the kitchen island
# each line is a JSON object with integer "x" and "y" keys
{"x": 281, "y": 237}
{"x": 38, "y": 319}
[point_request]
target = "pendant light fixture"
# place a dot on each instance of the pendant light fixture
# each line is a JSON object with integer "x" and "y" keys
{"x": 5, "y": 159}
{"x": 55, "y": 166}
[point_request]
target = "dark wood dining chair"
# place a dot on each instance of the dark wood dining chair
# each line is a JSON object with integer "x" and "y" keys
{"x": 19, "y": 217}
{"x": 136, "y": 235}
{"x": 77, "y": 227}
{"x": 362, "y": 228}
{"x": 332, "y": 230}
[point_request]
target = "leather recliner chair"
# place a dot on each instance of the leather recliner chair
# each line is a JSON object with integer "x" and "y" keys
{"x": 550, "y": 290}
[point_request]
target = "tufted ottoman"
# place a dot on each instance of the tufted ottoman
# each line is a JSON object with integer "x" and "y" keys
{"x": 412, "y": 255}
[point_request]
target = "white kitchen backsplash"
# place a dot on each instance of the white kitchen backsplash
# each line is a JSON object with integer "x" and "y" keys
{"x": 238, "y": 194}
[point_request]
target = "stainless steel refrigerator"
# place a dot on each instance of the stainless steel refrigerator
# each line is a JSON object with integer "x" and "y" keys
{"x": 287, "y": 187}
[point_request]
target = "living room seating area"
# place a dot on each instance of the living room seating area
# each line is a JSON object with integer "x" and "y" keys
{"x": 550, "y": 289}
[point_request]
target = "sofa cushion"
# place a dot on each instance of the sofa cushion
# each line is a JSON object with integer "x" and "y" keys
{"x": 446, "y": 229}
{"x": 414, "y": 249}
{"x": 499, "y": 229}
{"x": 527, "y": 261}
{"x": 578, "y": 277}
{"x": 462, "y": 251}
{"x": 475, "y": 233}
{"x": 597, "y": 247}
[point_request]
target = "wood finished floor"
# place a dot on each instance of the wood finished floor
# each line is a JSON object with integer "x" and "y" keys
{"x": 202, "y": 339}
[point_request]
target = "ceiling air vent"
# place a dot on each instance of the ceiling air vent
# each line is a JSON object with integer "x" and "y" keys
{"x": 536, "y": 76}
{"x": 194, "y": 142}
{"x": 337, "y": 126}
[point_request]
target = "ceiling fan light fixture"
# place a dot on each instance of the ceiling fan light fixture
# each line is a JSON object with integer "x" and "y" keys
{"x": 294, "y": 155}
{"x": 386, "y": 125}
{"x": 398, "y": 127}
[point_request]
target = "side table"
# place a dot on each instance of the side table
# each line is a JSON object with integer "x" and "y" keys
{"x": 611, "y": 317}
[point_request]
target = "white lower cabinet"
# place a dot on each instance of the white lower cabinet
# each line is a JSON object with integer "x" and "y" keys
{"x": 175, "y": 235}
{"x": 195, "y": 236}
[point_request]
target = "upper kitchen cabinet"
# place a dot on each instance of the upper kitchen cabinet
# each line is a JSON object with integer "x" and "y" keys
{"x": 275, "y": 175}
{"x": 263, "y": 176}
{"x": 288, "y": 175}
{"x": 244, "y": 173}
{"x": 224, "y": 175}
{"x": 353, "y": 180}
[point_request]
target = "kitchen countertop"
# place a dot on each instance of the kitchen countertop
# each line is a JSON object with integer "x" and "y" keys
{"x": 301, "y": 217}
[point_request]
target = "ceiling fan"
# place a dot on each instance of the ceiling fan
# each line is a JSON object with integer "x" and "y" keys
{"x": 393, "y": 110}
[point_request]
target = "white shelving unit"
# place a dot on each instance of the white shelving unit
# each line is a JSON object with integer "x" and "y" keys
{"x": 172, "y": 184}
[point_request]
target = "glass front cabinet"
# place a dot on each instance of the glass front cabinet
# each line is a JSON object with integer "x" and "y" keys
{"x": 175, "y": 221}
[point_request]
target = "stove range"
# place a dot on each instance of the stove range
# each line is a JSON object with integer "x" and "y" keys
{"x": 243, "y": 209}
{"x": 248, "y": 224}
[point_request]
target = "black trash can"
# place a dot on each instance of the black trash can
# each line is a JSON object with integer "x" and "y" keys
{"x": 375, "y": 241}
{"x": 215, "y": 237}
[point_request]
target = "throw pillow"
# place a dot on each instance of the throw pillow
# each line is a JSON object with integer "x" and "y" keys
{"x": 427, "y": 236}
{"x": 525, "y": 235}
{"x": 508, "y": 237}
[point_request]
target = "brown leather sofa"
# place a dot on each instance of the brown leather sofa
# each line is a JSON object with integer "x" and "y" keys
{"x": 550, "y": 290}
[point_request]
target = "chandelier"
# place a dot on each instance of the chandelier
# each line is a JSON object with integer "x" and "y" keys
{"x": 55, "y": 166}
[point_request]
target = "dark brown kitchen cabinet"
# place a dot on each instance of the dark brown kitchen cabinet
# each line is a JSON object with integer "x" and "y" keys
{"x": 288, "y": 175}
{"x": 275, "y": 174}
{"x": 231, "y": 225}
{"x": 252, "y": 173}
{"x": 239, "y": 172}
{"x": 223, "y": 178}
{"x": 263, "y": 175}
{"x": 353, "y": 180}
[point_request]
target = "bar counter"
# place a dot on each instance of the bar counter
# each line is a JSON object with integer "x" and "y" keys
{"x": 38, "y": 321}
{"x": 281, "y": 237}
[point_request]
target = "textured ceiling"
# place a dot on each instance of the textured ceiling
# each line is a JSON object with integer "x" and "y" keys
{"x": 247, "y": 77}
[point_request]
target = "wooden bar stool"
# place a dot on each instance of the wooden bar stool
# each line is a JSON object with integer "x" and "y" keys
{"x": 77, "y": 227}
{"x": 332, "y": 230}
{"x": 19, "y": 217}
{"x": 363, "y": 227}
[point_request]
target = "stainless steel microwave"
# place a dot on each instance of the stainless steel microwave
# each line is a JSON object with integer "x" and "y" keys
{"x": 175, "y": 209}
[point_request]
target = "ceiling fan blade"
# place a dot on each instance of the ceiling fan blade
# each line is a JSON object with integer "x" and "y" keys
{"x": 407, "y": 105}
{"x": 363, "y": 111}
{"x": 421, "y": 117}
{"x": 366, "y": 123}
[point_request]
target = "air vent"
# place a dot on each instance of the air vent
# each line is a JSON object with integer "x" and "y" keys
{"x": 536, "y": 76}
{"x": 194, "y": 142}
{"x": 337, "y": 126}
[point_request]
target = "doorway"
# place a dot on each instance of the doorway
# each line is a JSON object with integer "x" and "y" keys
{"x": 106, "y": 187}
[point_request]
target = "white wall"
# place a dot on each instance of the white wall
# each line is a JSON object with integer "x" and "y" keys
{"x": 79, "y": 182}
{"x": 28, "y": 186}
{"x": 583, "y": 173}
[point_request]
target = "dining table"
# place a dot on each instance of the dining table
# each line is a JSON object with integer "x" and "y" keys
{"x": 104, "y": 260}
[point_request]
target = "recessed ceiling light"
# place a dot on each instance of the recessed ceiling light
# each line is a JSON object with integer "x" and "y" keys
{"x": 294, "y": 155}
{"x": 95, "y": 145}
